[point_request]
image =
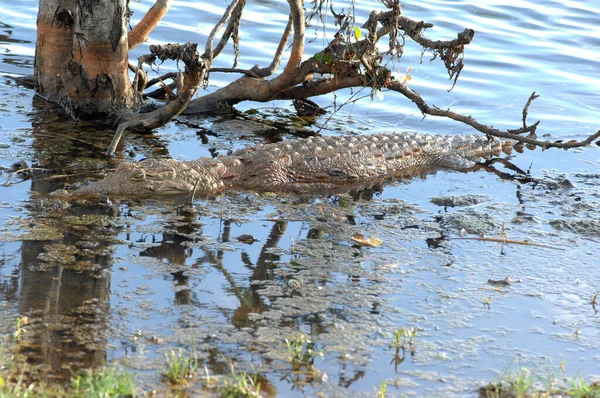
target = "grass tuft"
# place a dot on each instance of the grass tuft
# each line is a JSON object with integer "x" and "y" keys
{"x": 103, "y": 383}
{"x": 179, "y": 367}
{"x": 240, "y": 385}
{"x": 302, "y": 351}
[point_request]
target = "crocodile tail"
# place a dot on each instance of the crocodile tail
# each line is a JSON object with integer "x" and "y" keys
{"x": 466, "y": 150}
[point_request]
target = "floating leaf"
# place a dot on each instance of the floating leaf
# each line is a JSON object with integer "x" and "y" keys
{"x": 371, "y": 242}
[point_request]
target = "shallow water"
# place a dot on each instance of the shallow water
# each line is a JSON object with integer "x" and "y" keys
{"x": 128, "y": 282}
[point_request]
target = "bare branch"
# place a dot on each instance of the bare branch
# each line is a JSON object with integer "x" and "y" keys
{"x": 193, "y": 76}
{"x": 208, "y": 51}
{"x": 450, "y": 51}
{"x": 526, "y": 108}
{"x": 247, "y": 72}
{"x": 234, "y": 21}
{"x": 283, "y": 81}
{"x": 141, "y": 31}
{"x": 160, "y": 79}
{"x": 509, "y": 134}
{"x": 162, "y": 91}
{"x": 320, "y": 87}
{"x": 277, "y": 57}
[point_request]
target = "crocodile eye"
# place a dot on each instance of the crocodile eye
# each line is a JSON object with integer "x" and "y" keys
{"x": 138, "y": 175}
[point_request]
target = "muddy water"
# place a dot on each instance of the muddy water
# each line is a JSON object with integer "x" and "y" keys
{"x": 127, "y": 282}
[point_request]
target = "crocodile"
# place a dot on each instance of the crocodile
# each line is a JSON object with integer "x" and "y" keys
{"x": 302, "y": 165}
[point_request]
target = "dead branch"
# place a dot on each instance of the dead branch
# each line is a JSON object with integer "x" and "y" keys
{"x": 160, "y": 79}
{"x": 509, "y": 134}
{"x": 317, "y": 87}
{"x": 344, "y": 63}
{"x": 247, "y": 88}
{"x": 268, "y": 71}
{"x": 231, "y": 30}
{"x": 284, "y": 80}
{"x": 450, "y": 51}
{"x": 162, "y": 91}
{"x": 195, "y": 71}
{"x": 209, "y": 51}
{"x": 247, "y": 72}
{"x": 141, "y": 31}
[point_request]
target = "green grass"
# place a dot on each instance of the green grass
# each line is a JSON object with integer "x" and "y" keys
{"x": 403, "y": 338}
{"x": 382, "y": 389}
{"x": 302, "y": 351}
{"x": 521, "y": 384}
{"x": 22, "y": 389}
{"x": 240, "y": 385}
{"x": 103, "y": 383}
{"x": 179, "y": 367}
{"x": 580, "y": 389}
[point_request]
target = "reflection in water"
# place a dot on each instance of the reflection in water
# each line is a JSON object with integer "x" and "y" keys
{"x": 66, "y": 257}
{"x": 61, "y": 277}
{"x": 65, "y": 282}
{"x": 172, "y": 250}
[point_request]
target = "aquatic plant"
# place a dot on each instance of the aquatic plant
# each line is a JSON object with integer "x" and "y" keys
{"x": 594, "y": 300}
{"x": 403, "y": 337}
{"x": 302, "y": 351}
{"x": 509, "y": 385}
{"x": 103, "y": 383}
{"x": 240, "y": 384}
{"x": 179, "y": 366}
{"x": 22, "y": 389}
{"x": 382, "y": 389}
{"x": 20, "y": 331}
{"x": 487, "y": 302}
{"x": 519, "y": 384}
{"x": 579, "y": 388}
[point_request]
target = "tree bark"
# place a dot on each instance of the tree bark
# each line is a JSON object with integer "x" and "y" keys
{"x": 81, "y": 57}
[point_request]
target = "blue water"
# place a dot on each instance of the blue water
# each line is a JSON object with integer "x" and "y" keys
{"x": 184, "y": 278}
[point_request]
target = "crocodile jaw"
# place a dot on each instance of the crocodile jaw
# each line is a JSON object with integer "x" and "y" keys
{"x": 152, "y": 177}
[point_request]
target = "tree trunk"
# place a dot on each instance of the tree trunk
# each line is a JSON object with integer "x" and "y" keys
{"x": 81, "y": 57}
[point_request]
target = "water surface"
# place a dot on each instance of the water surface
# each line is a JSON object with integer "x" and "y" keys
{"x": 127, "y": 282}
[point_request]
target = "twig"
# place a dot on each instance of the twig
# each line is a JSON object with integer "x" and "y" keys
{"x": 208, "y": 51}
{"x": 22, "y": 171}
{"x": 526, "y": 108}
{"x": 58, "y": 135}
{"x": 110, "y": 151}
{"x": 194, "y": 74}
{"x": 247, "y": 72}
{"x": 160, "y": 79}
{"x": 509, "y": 134}
{"x": 231, "y": 27}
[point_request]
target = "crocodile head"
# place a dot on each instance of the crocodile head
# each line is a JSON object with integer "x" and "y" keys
{"x": 155, "y": 177}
